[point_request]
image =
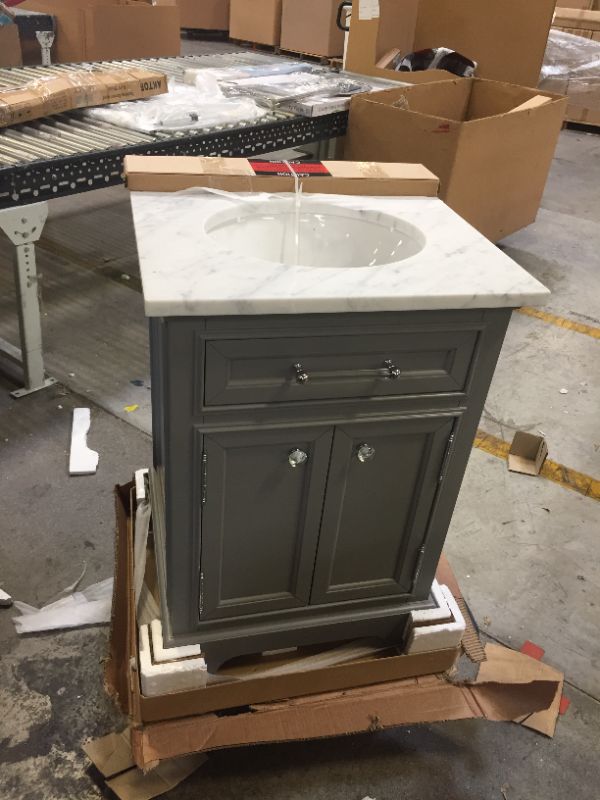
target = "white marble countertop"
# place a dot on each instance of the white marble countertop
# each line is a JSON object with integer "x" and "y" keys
{"x": 186, "y": 273}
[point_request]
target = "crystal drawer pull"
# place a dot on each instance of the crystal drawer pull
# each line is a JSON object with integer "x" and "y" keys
{"x": 297, "y": 457}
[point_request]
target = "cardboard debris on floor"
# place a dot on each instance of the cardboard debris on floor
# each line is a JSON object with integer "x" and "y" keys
{"x": 78, "y": 89}
{"x": 527, "y": 453}
{"x": 112, "y": 757}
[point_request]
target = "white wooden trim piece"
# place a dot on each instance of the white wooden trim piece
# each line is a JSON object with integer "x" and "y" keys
{"x": 82, "y": 460}
{"x": 438, "y": 637}
{"x": 172, "y": 676}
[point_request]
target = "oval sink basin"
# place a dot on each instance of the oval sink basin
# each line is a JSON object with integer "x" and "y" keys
{"x": 315, "y": 235}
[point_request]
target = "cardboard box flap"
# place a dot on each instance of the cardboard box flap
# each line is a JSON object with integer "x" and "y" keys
{"x": 354, "y": 711}
{"x": 176, "y": 173}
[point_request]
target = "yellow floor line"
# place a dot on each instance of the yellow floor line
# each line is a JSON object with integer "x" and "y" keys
{"x": 561, "y": 322}
{"x": 551, "y": 470}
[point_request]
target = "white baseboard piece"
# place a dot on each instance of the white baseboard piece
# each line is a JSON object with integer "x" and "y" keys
{"x": 423, "y": 638}
{"x": 172, "y": 675}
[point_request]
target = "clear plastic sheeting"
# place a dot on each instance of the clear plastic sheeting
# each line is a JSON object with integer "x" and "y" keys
{"x": 183, "y": 108}
{"x": 275, "y": 89}
{"x": 195, "y": 76}
{"x": 572, "y": 66}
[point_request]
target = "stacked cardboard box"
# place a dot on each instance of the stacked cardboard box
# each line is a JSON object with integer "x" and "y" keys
{"x": 207, "y": 15}
{"x": 310, "y": 26}
{"x": 256, "y": 21}
{"x": 103, "y": 30}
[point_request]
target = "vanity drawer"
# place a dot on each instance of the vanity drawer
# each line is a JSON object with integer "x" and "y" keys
{"x": 279, "y": 370}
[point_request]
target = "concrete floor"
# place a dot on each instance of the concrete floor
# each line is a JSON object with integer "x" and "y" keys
{"x": 525, "y": 550}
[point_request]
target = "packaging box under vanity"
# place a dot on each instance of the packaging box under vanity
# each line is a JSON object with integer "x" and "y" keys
{"x": 103, "y": 30}
{"x": 207, "y": 15}
{"x": 361, "y": 696}
{"x": 310, "y": 26}
{"x": 490, "y": 143}
{"x": 255, "y": 21}
{"x": 78, "y": 89}
{"x": 507, "y": 39}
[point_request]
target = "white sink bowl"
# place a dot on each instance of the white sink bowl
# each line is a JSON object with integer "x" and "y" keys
{"x": 316, "y": 234}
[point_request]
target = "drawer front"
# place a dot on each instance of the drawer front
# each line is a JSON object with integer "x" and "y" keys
{"x": 299, "y": 368}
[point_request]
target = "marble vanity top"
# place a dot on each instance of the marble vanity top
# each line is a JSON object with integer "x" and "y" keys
{"x": 186, "y": 273}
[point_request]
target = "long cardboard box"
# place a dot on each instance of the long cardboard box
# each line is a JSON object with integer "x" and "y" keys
{"x": 490, "y": 146}
{"x": 507, "y": 39}
{"x": 174, "y": 173}
{"x": 105, "y": 30}
{"x": 78, "y": 90}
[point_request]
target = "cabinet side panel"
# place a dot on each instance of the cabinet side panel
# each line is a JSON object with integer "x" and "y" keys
{"x": 482, "y": 372}
{"x": 182, "y": 341}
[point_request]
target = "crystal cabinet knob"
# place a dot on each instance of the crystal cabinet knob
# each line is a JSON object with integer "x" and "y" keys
{"x": 297, "y": 457}
{"x": 364, "y": 452}
{"x": 392, "y": 370}
{"x": 301, "y": 375}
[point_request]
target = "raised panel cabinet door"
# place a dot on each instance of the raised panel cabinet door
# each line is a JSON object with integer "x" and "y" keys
{"x": 382, "y": 483}
{"x": 262, "y": 497}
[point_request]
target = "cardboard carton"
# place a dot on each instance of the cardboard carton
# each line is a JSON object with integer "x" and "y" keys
{"x": 507, "y": 39}
{"x": 492, "y": 157}
{"x": 578, "y": 22}
{"x": 309, "y": 26}
{"x": 78, "y": 90}
{"x": 255, "y": 21}
{"x": 207, "y": 15}
{"x": 104, "y": 30}
{"x": 10, "y": 46}
{"x": 174, "y": 173}
{"x": 527, "y": 453}
{"x": 329, "y": 703}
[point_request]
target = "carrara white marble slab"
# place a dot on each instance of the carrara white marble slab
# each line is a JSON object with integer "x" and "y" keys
{"x": 202, "y": 254}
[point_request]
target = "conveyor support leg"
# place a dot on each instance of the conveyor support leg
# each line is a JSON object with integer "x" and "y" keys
{"x": 23, "y": 226}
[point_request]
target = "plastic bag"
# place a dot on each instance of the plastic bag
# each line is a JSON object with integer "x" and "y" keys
{"x": 296, "y": 86}
{"x": 183, "y": 108}
{"x": 436, "y": 58}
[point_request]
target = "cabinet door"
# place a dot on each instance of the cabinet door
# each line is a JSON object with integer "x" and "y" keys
{"x": 260, "y": 518}
{"x": 382, "y": 483}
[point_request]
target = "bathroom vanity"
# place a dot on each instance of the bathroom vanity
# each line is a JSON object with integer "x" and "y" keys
{"x": 312, "y": 424}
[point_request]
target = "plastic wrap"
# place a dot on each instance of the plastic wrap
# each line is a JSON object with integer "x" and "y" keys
{"x": 277, "y": 89}
{"x": 195, "y": 75}
{"x": 572, "y": 66}
{"x": 183, "y": 108}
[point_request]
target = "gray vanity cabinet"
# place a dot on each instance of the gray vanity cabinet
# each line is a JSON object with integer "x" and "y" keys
{"x": 307, "y": 467}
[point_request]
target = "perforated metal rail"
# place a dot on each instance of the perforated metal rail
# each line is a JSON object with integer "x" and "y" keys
{"x": 67, "y": 154}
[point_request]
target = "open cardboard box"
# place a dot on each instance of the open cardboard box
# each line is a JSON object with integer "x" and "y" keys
{"x": 507, "y": 39}
{"x": 361, "y": 696}
{"x": 490, "y": 143}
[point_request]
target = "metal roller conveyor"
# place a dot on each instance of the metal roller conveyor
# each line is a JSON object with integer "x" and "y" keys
{"x": 67, "y": 153}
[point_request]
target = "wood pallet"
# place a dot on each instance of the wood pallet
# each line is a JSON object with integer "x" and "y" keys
{"x": 329, "y": 61}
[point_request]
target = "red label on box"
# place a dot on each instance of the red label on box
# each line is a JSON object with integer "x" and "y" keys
{"x": 303, "y": 170}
